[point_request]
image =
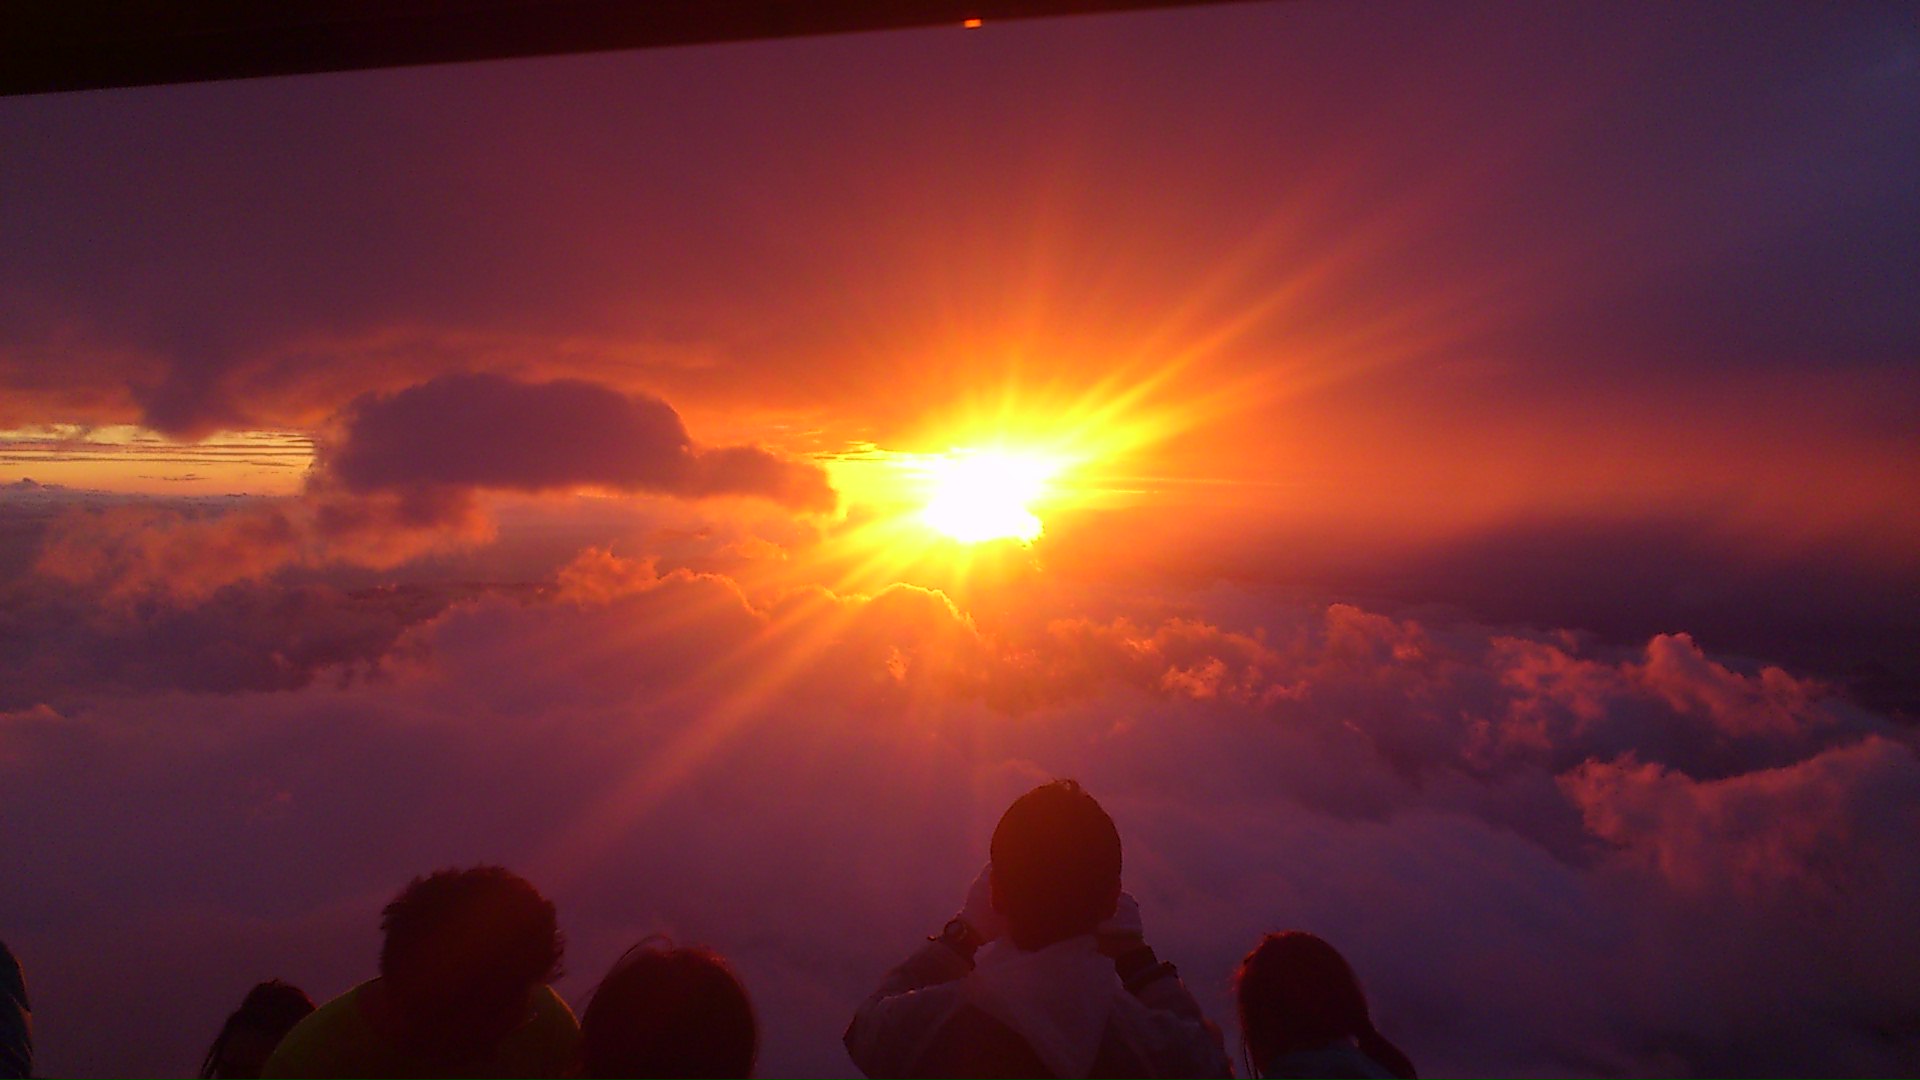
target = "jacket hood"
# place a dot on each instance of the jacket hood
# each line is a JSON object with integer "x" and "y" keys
{"x": 1058, "y": 999}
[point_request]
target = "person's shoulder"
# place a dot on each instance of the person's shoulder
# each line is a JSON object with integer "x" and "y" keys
{"x": 925, "y": 1004}
{"x": 912, "y": 1013}
{"x": 1139, "y": 1015}
{"x": 322, "y": 1042}
{"x": 548, "y": 1041}
{"x": 888, "y": 1029}
{"x": 550, "y": 1008}
{"x": 1177, "y": 1045}
{"x": 553, "y": 1025}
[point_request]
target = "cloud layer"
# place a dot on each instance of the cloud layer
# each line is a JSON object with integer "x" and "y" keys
{"x": 403, "y": 477}
{"x": 1543, "y": 858}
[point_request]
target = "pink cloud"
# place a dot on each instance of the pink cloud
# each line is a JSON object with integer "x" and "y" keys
{"x": 181, "y": 556}
{"x": 1763, "y": 831}
{"x": 126, "y": 552}
{"x": 1771, "y": 703}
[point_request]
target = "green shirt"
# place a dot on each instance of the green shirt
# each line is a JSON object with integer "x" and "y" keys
{"x": 338, "y": 1040}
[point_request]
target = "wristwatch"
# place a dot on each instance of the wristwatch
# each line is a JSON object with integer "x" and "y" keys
{"x": 959, "y": 937}
{"x": 1137, "y": 967}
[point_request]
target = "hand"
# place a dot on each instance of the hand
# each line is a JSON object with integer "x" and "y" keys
{"x": 1122, "y": 932}
{"x": 978, "y": 913}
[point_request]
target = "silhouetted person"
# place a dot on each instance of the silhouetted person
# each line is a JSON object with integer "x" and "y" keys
{"x": 664, "y": 1011}
{"x": 1302, "y": 1013}
{"x": 247, "y": 1039}
{"x": 1064, "y": 984}
{"x": 462, "y": 990}
{"x": 16, "y": 1018}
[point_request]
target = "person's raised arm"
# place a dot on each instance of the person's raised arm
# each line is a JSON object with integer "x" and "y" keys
{"x": 874, "y": 1038}
{"x": 1156, "y": 984}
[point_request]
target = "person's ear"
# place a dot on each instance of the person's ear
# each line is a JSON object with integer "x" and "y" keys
{"x": 1112, "y": 903}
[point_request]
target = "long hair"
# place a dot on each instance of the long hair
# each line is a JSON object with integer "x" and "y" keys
{"x": 271, "y": 1008}
{"x": 1297, "y": 992}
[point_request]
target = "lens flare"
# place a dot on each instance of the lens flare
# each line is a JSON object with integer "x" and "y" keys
{"x": 979, "y": 495}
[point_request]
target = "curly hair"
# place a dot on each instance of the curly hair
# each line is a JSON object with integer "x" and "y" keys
{"x": 460, "y": 934}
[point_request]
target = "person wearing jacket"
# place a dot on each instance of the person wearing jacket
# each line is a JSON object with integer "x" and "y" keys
{"x": 1045, "y": 971}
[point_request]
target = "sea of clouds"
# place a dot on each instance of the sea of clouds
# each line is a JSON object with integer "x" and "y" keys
{"x": 1545, "y": 854}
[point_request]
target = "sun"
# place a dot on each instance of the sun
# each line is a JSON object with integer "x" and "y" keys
{"x": 980, "y": 495}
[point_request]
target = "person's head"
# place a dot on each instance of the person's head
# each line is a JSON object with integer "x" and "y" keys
{"x": 664, "y": 1011}
{"x": 462, "y": 951}
{"x": 1296, "y": 992}
{"x": 1056, "y": 865}
{"x": 247, "y": 1039}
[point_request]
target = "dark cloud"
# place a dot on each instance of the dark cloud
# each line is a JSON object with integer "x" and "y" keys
{"x": 490, "y": 431}
{"x": 1818, "y": 603}
{"x": 160, "y": 553}
{"x": 385, "y": 529}
{"x": 103, "y": 595}
{"x": 64, "y": 647}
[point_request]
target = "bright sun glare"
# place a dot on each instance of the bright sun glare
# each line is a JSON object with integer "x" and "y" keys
{"x": 978, "y": 495}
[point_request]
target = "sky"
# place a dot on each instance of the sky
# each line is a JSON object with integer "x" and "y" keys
{"x": 1444, "y": 476}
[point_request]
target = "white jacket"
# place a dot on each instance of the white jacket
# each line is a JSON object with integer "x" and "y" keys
{"x": 1060, "y": 1010}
